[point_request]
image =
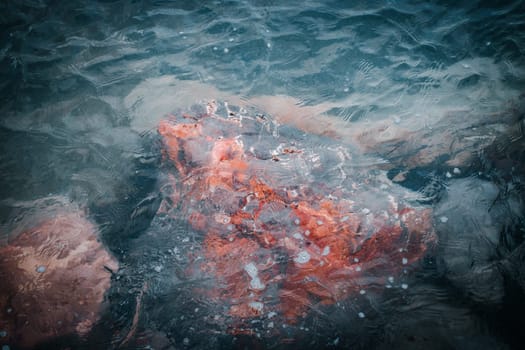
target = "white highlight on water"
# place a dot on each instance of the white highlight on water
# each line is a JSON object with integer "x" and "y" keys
{"x": 302, "y": 258}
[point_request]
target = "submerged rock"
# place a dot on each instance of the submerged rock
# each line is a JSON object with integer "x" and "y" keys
{"x": 54, "y": 276}
{"x": 313, "y": 226}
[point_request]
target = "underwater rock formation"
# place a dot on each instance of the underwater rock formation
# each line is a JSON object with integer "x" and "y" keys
{"x": 289, "y": 222}
{"x": 54, "y": 276}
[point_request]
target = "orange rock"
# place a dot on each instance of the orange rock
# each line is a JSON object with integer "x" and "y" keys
{"x": 272, "y": 245}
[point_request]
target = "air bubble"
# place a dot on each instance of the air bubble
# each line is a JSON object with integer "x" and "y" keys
{"x": 302, "y": 258}
{"x": 256, "y": 305}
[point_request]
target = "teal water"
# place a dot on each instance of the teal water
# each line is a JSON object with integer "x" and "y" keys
{"x": 83, "y": 85}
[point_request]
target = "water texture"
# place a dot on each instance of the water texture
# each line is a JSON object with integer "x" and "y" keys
{"x": 424, "y": 96}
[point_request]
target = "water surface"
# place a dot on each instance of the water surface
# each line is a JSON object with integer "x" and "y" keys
{"x": 426, "y": 93}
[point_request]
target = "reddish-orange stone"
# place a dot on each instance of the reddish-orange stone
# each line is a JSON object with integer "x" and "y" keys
{"x": 251, "y": 216}
{"x": 53, "y": 280}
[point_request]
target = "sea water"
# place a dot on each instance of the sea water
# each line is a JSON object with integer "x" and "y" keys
{"x": 84, "y": 84}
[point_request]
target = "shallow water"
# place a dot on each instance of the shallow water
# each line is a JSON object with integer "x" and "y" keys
{"x": 425, "y": 96}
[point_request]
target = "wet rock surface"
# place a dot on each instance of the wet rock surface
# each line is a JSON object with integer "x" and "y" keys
{"x": 55, "y": 274}
{"x": 263, "y": 229}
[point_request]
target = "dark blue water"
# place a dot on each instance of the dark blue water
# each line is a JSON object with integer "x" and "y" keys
{"x": 429, "y": 94}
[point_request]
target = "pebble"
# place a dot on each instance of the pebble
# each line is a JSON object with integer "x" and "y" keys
{"x": 362, "y": 292}
{"x": 41, "y": 269}
{"x": 456, "y": 171}
{"x": 443, "y": 219}
{"x": 361, "y": 315}
{"x": 404, "y": 261}
{"x": 186, "y": 341}
{"x": 404, "y": 286}
{"x": 3, "y": 334}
